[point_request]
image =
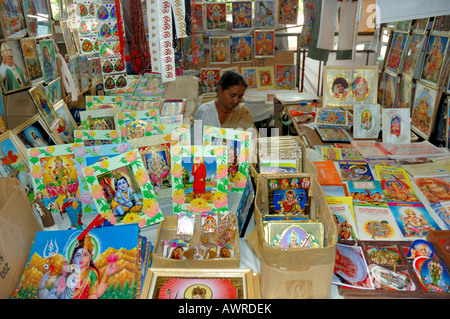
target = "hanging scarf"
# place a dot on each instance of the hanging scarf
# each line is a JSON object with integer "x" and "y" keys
{"x": 140, "y": 55}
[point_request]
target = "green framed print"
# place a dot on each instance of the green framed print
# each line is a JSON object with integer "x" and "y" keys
{"x": 133, "y": 199}
{"x": 94, "y": 102}
{"x": 199, "y": 178}
{"x": 102, "y": 119}
{"x": 136, "y": 124}
{"x": 97, "y": 137}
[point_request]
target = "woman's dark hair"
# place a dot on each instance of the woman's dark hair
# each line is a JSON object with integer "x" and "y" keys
{"x": 231, "y": 78}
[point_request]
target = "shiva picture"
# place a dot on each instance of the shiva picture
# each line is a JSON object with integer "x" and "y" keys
{"x": 199, "y": 177}
{"x": 290, "y": 202}
{"x": 121, "y": 191}
{"x": 157, "y": 161}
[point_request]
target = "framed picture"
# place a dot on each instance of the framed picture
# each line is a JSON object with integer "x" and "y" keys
{"x": 447, "y": 126}
{"x": 334, "y": 117}
{"x": 242, "y": 48}
{"x": 114, "y": 82}
{"x": 68, "y": 37}
{"x": 35, "y": 133}
{"x": 54, "y": 91}
{"x": 433, "y": 63}
{"x": 264, "y": 43}
{"x": 333, "y": 133}
{"x": 242, "y": 15}
{"x": 171, "y": 107}
{"x": 97, "y": 137}
{"x": 265, "y": 11}
{"x": 265, "y": 77}
{"x": 95, "y": 67}
{"x": 245, "y": 207}
{"x": 13, "y": 163}
{"x": 94, "y": 102}
{"x": 150, "y": 85}
{"x": 441, "y": 26}
{"x": 250, "y": 75}
{"x": 85, "y": 72}
{"x": 423, "y": 111}
{"x": 209, "y": 78}
{"x": 285, "y": 76}
{"x": 237, "y": 144}
{"x": 38, "y": 17}
{"x": 16, "y": 76}
{"x": 89, "y": 155}
{"x": 3, "y": 123}
{"x": 102, "y": 119}
{"x": 404, "y": 95}
{"x": 67, "y": 121}
{"x": 31, "y": 59}
{"x": 48, "y": 59}
{"x": 73, "y": 68}
{"x": 287, "y": 11}
{"x": 136, "y": 124}
{"x": 133, "y": 199}
{"x": 216, "y": 16}
{"x": 396, "y": 126}
{"x": 43, "y": 103}
{"x": 295, "y": 234}
{"x": 390, "y": 89}
{"x": 141, "y": 103}
{"x": 403, "y": 26}
{"x": 12, "y": 24}
{"x": 420, "y": 26}
{"x": 412, "y": 55}
{"x": 383, "y": 45}
{"x": 193, "y": 48}
{"x": 199, "y": 178}
{"x": 396, "y": 52}
{"x": 220, "y": 51}
{"x": 199, "y": 284}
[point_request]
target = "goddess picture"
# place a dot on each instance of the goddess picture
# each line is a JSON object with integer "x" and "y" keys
{"x": 157, "y": 162}
{"x": 291, "y": 201}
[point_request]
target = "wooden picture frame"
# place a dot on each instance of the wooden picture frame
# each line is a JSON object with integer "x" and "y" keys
{"x": 43, "y": 103}
{"x": 396, "y": 52}
{"x": 12, "y": 51}
{"x": 70, "y": 125}
{"x": 209, "y": 281}
{"x": 441, "y": 26}
{"x": 420, "y": 26}
{"x": 424, "y": 109}
{"x": 35, "y": 133}
{"x": 48, "y": 59}
{"x": 31, "y": 59}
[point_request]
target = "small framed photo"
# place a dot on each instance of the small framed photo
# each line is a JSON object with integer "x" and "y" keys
{"x": 67, "y": 121}
{"x": 285, "y": 76}
{"x": 13, "y": 23}
{"x": 441, "y": 26}
{"x": 220, "y": 50}
{"x": 396, "y": 52}
{"x": 48, "y": 59}
{"x": 424, "y": 109}
{"x": 200, "y": 284}
{"x": 94, "y": 102}
{"x": 333, "y": 133}
{"x": 366, "y": 121}
{"x": 38, "y": 17}
{"x": 171, "y": 107}
{"x": 54, "y": 91}
{"x": 102, "y": 119}
{"x": 250, "y": 75}
{"x": 35, "y": 133}
{"x": 265, "y": 77}
{"x": 396, "y": 126}
{"x": 264, "y": 43}
{"x": 43, "y": 103}
{"x": 414, "y": 49}
{"x": 329, "y": 116}
{"x": 151, "y": 84}
{"x": 420, "y": 26}
{"x": 216, "y": 16}
{"x": 16, "y": 76}
{"x": 68, "y": 37}
{"x": 31, "y": 58}
{"x": 242, "y": 48}
{"x": 433, "y": 62}
{"x": 97, "y": 137}
{"x": 132, "y": 199}
{"x": 134, "y": 124}
{"x": 403, "y": 26}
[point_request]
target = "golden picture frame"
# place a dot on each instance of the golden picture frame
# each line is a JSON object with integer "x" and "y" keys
{"x": 265, "y": 77}
{"x": 171, "y": 283}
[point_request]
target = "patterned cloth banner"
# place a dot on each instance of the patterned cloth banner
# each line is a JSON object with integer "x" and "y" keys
{"x": 166, "y": 41}
{"x": 179, "y": 12}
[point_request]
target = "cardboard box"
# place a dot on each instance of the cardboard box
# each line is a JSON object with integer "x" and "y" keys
{"x": 296, "y": 272}
{"x": 18, "y": 227}
{"x": 168, "y": 230}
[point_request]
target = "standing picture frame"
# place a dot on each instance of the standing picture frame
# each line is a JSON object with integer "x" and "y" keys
{"x": 366, "y": 121}
{"x": 412, "y": 56}
{"x": 126, "y": 174}
{"x": 16, "y": 76}
{"x": 70, "y": 125}
{"x": 97, "y": 137}
{"x": 31, "y": 58}
{"x": 330, "y": 133}
{"x": 12, "y": 22}
{"x": 390, "y": 90}
{"x": 404, "y": 95}
{"x": 396, "y": 52}
{"x": 38, "y": 17}
{"x": 396, "y": 126}
{"x": 441, "y": 26}
{"x": 34, "y": 132}
{"x": 172, "y": 107}
{"x": 68, "y": 37}
{"x": 54, "y": 91}
{"x": 424, "y": 109}
{"x": 43, "y": 103}
{"x": 48, "y": 59}
{"x": 433, "y": 62}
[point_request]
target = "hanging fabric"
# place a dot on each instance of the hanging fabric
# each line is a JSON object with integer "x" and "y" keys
{"x": 140, "y": 54}
{"x": 166, "y": 41}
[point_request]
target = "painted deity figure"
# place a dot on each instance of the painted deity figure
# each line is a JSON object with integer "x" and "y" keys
{"x": 125, "y": 198}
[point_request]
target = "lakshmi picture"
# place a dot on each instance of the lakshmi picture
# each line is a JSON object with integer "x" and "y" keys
{"x": 434, "y": 59}
{"x": 199, "y": 178}
{"x": 241, "y": 48}
{"x": 290, "y": 202}
{"x": 264, "y": 43}
{"x": 242, "y": 15}
{"x": 157, "y": 162}
{"x": 295, "y": 235}
{"x": 121, "y": 191}
{"x": 360, "y": 88}
{"x": 394, "y": 57}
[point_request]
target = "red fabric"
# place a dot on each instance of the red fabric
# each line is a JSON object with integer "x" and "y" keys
{"x": 199, "y": 173}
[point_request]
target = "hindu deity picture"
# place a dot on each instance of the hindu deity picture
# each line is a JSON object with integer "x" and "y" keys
{"x": 197, "y": 17}
{"x": 249, "y": 75}
{"x": 220, "y": 51}
{"x": 37, "y": 15}
{"x": 264, "y": 14}
{"x": 172, "y": 107}
{"x": 157, "y": 161}
{"x": 435, "y": 189}
{"x": 397, "y": 190}
{"x": 199, "y": 178}
{"x": 193, "y": 48}
{"x": 394, "y": 57}
{"x": 294, "y": 235}
{"x": 216, "y": 17}
{"x": 287, "y": 11}
{"x": 31, "y": 58}
{"x": 413, "y": 220}
{"x": 332, "y": 117}
{"x": 404, "y": 93}
{"x": 209, "y": 78}
{"x": 420, "y": 26}
{"x": 285, "y": 76}
{"x": 412, "y": 55}
{"x": 242, "y": 48}
{"x": 101, "y": 123}
{"x": 441, "y": 25}
{"x": 423, "y": 110}
{"x": 265, "y": 77}
{"x": 390, "y": 84}
{"x": 242, "y": 15}
{"x": 13, "y": 23}
{"x": 43, "y": 103}
{"x": 264, "y": 43}
{"x": 290, "y": 202}
{"x": 433, "y": 63}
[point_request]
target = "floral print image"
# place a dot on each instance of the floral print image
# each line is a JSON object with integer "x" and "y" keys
{"x": 122, "y": 191}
